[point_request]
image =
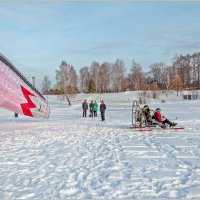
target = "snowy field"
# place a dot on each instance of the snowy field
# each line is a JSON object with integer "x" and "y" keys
{"x": 70, "y": 157}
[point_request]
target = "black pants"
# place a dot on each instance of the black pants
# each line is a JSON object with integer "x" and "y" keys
{"x": 91, "y": 113}
{"x": 84, "y": 113}
{"x": 95, "y": 113}
{"x": 103, "y": 116}
{"x": 166, "y": 121}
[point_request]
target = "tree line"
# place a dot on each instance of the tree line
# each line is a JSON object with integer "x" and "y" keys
{"x": 183, "y": 73}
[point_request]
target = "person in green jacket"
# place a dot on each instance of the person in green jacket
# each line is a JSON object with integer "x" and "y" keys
{"x": 95, "y": 108}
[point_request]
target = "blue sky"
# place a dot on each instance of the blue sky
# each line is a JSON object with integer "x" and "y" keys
{"x": 36, "y": 36}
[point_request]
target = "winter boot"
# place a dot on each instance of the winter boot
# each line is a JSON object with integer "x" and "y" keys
{"x": 163, "y": 126}
{"x": 173, "y": 124}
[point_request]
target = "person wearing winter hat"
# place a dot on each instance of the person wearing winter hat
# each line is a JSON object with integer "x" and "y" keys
{"x": 162, "y": 119}
{"x": 85, "y": 108}
{"x": 102, "y": 110}
{"x": 91, "y": 108}
{"x": 147, "y": 113}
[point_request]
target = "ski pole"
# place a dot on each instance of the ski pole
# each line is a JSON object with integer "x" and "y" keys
{"x": 174, "y": 118}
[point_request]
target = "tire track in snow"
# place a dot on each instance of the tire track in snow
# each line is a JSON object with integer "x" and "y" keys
{"x": 107, "y": 174}
{"x": 186, "y": 169}
{"x": 125, "y": 169}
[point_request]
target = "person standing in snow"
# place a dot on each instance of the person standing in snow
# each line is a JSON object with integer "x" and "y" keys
{"x": 95, "y": 109}
{"x": 91, "y": 108}
{"x": 85, "y": 108}
{"x": 161, "y": 119}
{"x": 102, "y": 110}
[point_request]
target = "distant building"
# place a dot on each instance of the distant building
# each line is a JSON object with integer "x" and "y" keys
{"x": 190, "y": 95}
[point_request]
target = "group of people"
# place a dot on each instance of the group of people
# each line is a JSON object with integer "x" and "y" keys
{"x": 93, "y": 106}
{"x": 161, "y": 119}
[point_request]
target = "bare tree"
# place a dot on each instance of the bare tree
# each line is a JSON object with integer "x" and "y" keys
{"x": 91, "y": 86}
{"x": 66, "y": 78}
{"x": 178, "y": 83}
{"x": 73, "y": 81}
{"x": 118, "y": 70}
{"x": 95, "y": 74}
{"x": 168, "y": 77}
{"x": 104, "y": 77}
{"x": 84, "y": 78}
{"x": 157, "y": 71}
{"x": 154, "y": 88}
{"x": 183, "y": 66}
{"x": 46, "y": 84}
{"x": 136, "y": 77}
{"x": 195, "y": 72}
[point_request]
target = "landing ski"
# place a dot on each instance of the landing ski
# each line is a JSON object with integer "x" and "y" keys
{"x": 152, "y": 128}
{"x": 176, "y": 128}
{"x": 143, "y": 127}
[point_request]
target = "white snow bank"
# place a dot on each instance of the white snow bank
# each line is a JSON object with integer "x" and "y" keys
{"x": 71, "y": 157}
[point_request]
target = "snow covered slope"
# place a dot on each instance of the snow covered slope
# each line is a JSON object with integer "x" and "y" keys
{"x": 72, "y": 157}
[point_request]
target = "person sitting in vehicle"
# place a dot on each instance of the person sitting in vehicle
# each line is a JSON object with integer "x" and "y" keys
{"x": 161, "y": 119}
{"x": 147, "y": 114}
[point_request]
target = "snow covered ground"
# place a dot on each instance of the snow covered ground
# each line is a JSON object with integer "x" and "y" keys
{"x": 71, "y": 157}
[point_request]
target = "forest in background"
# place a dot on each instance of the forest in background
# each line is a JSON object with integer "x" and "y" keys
{"x": 183, "y": 73}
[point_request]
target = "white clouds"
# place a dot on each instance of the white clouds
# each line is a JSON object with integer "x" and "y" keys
{"x": 104, "y": 46}
{"x": 45, "y": 33}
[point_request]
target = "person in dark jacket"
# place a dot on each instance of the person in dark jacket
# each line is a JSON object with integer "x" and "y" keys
{"x": 147, "y": 114}
{"x": 102, "y": 110}
{"x": 85, "y": 108}
{"x": 163, "y": 120}
{"x": 91, "y": 108}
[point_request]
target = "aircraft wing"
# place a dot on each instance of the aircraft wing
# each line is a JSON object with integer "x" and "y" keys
{"x": 18, "y": 95}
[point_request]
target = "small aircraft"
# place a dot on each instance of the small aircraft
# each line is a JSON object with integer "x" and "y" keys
{"x": 140, "y": 122}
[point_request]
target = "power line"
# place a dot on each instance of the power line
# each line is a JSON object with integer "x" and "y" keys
{"x": 15, "y": 70}
{"x": 26, "y": 67}
{"x": 29, "y": 72}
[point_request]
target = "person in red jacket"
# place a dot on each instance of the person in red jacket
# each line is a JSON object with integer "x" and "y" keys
{"x": 160, "y": 118}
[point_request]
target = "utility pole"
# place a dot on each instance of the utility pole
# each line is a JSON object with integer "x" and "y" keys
{"x": 193, "y": 96}
{"x": 176, "y": 82}
{"x": 33, "y": 79}
{"x": 100, "y": 91}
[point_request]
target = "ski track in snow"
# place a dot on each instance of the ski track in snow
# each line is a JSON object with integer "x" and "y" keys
{"x": 70, "y": 157}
